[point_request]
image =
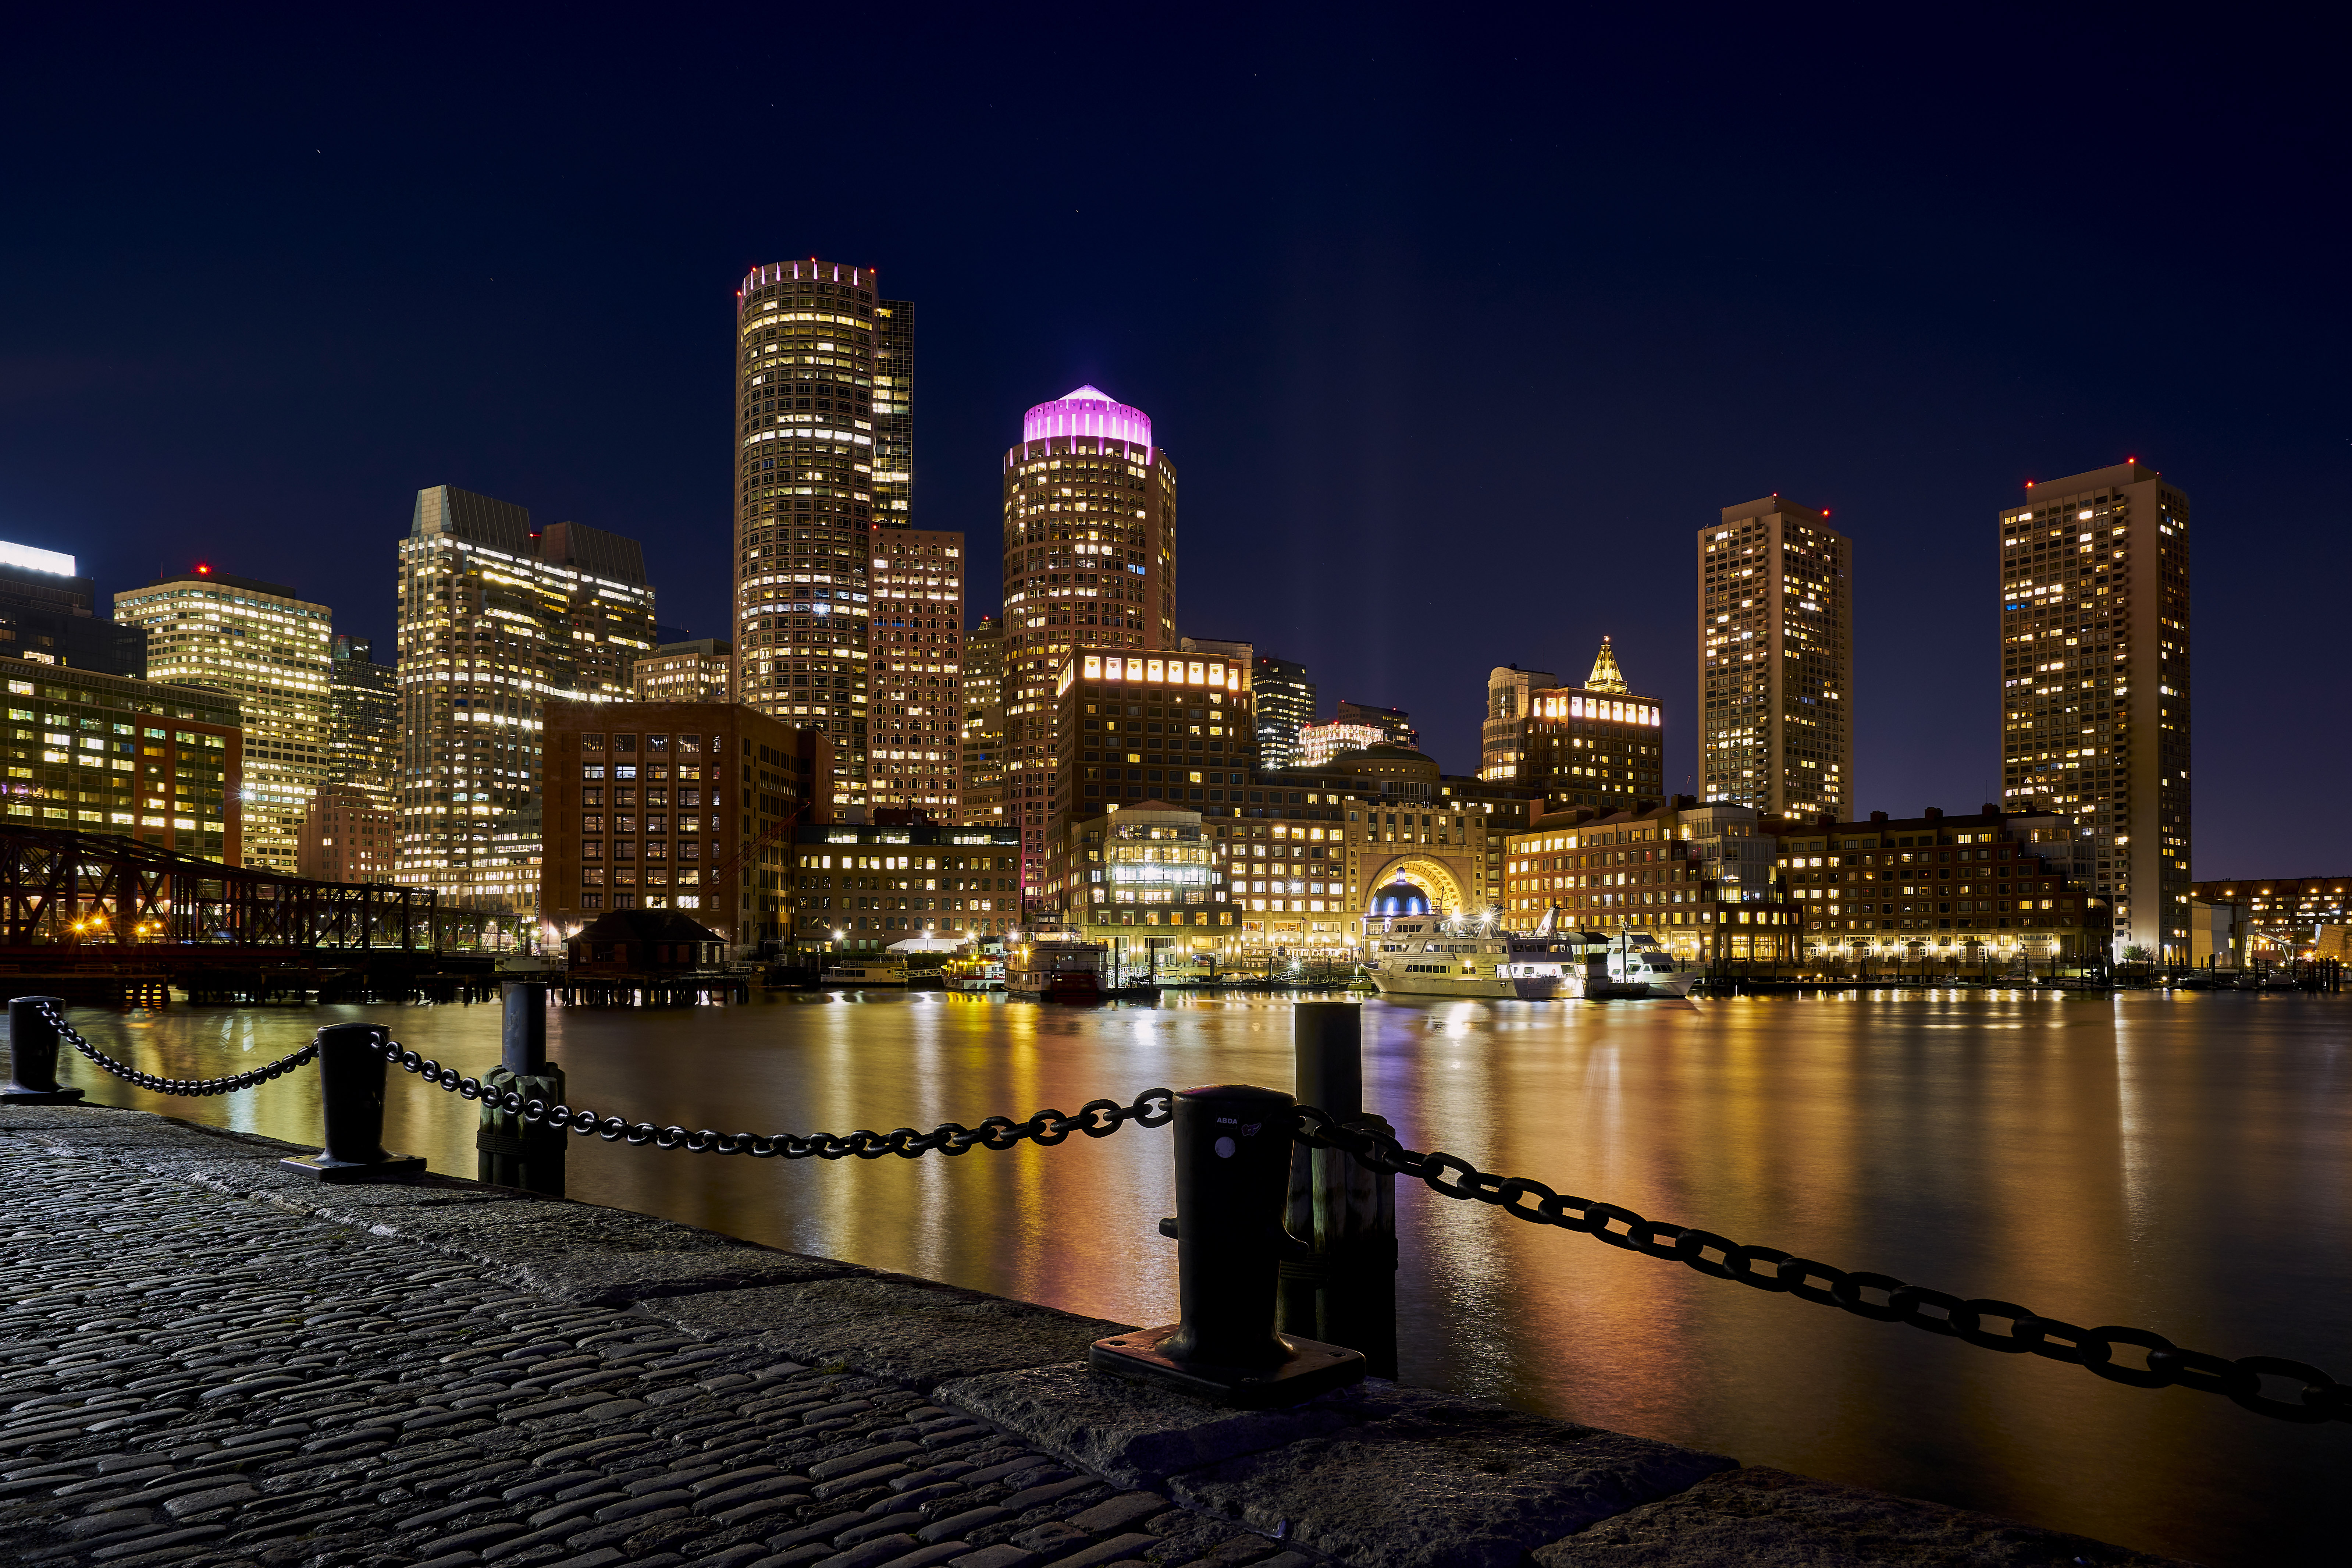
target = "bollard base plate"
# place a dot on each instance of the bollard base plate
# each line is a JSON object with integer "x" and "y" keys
{"x": 330, "y": 1170}
{"x": 40, "y": 1096}
{"x": 1311, "y": 1368}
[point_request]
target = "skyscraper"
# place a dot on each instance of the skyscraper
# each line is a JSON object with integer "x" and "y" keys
{"x": 894, "y": 413}
{"x": 1776, "y": 661}
{"x": 1089, "y": 563}
{"x": 48, "y": 615}
{"x": 1286, "y": 704}
{"x": 1499, "y": 737}
{"x": 984, "y": 723}
{"x": 804, "y": 509}
{"x": 363, "y": 719}
{"x": 914, "y": 761}
{"x": 2094, "y": 684}
{"x": 270, "y": 650}
{"x": 497, "y": 617}
{"x": 1598, "y": 745}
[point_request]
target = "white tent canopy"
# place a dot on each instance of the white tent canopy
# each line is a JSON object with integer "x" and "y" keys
{"x": 926, "y": 944}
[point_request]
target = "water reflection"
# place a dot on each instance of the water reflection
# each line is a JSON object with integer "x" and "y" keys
{"x": 2175, "y": 1163}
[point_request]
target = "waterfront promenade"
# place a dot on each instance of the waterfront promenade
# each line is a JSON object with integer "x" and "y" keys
{"x": 207, "y": 1358}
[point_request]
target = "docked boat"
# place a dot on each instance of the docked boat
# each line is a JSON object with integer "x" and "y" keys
{"x": 871, "y": 972}
{"x": 1046, "y": 966}
{"x": 1431, "y": 955}
{"x": 976, "y": 974}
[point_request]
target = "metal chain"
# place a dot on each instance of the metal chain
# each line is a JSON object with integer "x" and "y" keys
{"x": 1875, "y": 1296}
{"x": 185, "y": 1088}
{"x": 1095, "y": 1119}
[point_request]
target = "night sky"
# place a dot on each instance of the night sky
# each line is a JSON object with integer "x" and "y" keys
{"x": 1458, "y": 325}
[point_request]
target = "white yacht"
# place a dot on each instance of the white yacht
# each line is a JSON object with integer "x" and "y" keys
{"x": 1431, "y": 955}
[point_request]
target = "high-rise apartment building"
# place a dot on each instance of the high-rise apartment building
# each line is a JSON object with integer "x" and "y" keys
{"x": 915, "y": 751}
{"x": 48, "y": 615}
{"x": 363, "y": 719}
{"x": 1286, "y": 705}
{"x": 697, "y": 669}
{"x": 1775, "y": 660}
{"x": 1500, "y": 735}
{"x": 496, "y": 618}
{"x": 1089, "y": 566}
{"x": 984, "y": 723}
{"x": 270, "y": 650}
{"x": 894, "y": 413}
{"x": 805, "y": 501}
{"x": 2094, "y": 684}
{"x": 1600, "y": 745}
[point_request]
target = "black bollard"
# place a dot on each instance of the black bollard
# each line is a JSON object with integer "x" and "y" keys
{"x": 351, "y": 1103}
{"x": 509, "y": 1151}
{"x": 1344, "y": 1291}
{"x": 32, "y": 1055}
{"x": 1232, "y": 1164}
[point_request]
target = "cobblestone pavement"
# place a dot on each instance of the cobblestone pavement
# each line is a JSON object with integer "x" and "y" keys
{"x": 207, "y": 1358}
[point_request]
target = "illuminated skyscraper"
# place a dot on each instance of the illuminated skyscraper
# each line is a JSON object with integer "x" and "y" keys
{"x": 364, "y": 724}
{"x": 894, "y": 413}
{"x": 272, "y": 650}
{"x": 496, "y": 618}
{"x": 1776, "y": 661}
{"x": 2095, "y": 685}
{"x": 1501, "y": 736}
{"x": 984, "y": 723}
{"x": 805, "y": 501}
{"x": 916, "y": 760}
{"x": 1089, "y": 563}
{"x": 1286, "y": 705}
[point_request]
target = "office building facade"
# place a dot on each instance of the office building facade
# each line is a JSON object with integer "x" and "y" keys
{"x": 1150, "y": 727}
{"x": 860, "y": 886}
{"x": 697, "y": 670}
{"x": 984, "y": 723}
{"x": 49, "y": 615}
{"x": 497, "y": 618}
{"x": 1089, "y": 566}
{"x": 350, "y": 834}
{"x": 1698, "y": 878}
{"x": 1600, "y": 745}
{"x": 269, "y": 649}
{"x": 2285, "y": 915}
{"x": 363, "y": 719}
{"x": 2094, "y": 632}
{"x": 915, "y": 733}
{"x": 1501, "y": 735}
{"x": 108, "y": 754}
{"x": 1286, "y": 706}
{"x": 805, "y": 508}
{"x": 1775, "y": 660}
{"x": 677, "y": 806}
{"x": 894, "y": 413}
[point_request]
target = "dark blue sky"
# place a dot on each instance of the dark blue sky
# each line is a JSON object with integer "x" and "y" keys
{"x": 1458, "y": 325}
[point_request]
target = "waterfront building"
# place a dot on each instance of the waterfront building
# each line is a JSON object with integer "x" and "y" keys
{"x": 1503, "y": 732}
{"x": 498, "y": 617}
{"x": 110, "y": 753}
{"x": 2000, "y": 882}
{"x": 677, "y": 806}
{"x": 1147, "y": 875}
{"x": 2094, "y": 684}
{"x": 1089, "y": 566}
{"x": 695, "y": 669}
{"x": 271, "y": 649}
{"x": 1775, "y": 660}
{"x": 1701, "y": 880}
{"x": 1600, "y": 745}
{"x": 48, "y": 615}
{"x": 1286, "y": 706}
{"x": 984, "y": 723}
{"x": 363, "y": 718}
{"x": 804, "y": 515}
{"x": 349, "y": 833}
{"x": 861, "y": 886}
{"x": 2285, "y": 915}
{"x": 915, "y": 750}
{"x": 1148, "y": 727}
{"x": 894, "y": 413}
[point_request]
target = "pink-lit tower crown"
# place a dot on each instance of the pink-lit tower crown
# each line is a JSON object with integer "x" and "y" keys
{"x": 1089, "y": 563}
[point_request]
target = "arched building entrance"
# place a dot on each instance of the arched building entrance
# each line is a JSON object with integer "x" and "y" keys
{"x": 1436, "y": 880}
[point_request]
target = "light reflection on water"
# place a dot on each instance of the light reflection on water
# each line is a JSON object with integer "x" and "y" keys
{"x": 2178, "y": 1164}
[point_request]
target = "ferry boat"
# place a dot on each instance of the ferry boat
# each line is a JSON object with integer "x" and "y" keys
{"x": 868, "y": 972}
{"x": 986, "y": 974}
{"x": 1053, "y": 967}
{"x": 1431, "y": 955}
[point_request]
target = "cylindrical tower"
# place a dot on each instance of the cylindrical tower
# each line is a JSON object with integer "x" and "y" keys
{"x": 804, "y": 501}
{"x": 1089, "y": 563}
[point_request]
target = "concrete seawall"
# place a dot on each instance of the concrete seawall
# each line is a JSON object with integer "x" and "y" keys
{"x": 206, "y": 1358}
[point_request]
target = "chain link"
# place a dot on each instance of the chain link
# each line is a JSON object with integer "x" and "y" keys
{"x": 2313, "y": 1395}
{"x": 185, "y": 1088}
{"x": 1095, "y": 1119}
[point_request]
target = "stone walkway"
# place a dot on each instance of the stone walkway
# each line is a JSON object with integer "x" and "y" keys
{"x": 207, "y": 1359}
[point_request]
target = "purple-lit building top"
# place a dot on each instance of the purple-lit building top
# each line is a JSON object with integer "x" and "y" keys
{"x": 1088, "y": 412}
